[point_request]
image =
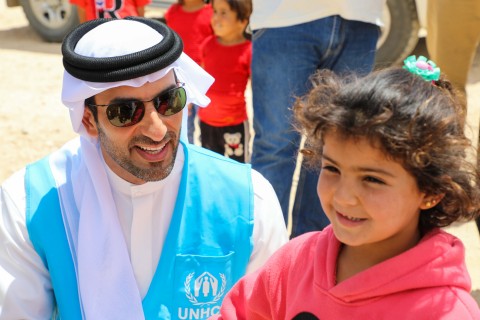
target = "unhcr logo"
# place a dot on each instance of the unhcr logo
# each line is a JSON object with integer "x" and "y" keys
{"x": 205, "y": 288}
{"x": 203, "y": 292}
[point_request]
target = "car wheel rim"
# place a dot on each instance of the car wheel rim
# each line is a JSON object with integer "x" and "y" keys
{"x": 385, "y": 29}
{"x": 52, "y": 13}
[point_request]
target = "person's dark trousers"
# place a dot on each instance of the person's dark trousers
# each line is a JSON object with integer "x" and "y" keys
{"x": 282, "y": 62}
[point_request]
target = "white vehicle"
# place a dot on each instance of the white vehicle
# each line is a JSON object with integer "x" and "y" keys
{"x": 53, "y": 19}
{"x": 403, "y": 20}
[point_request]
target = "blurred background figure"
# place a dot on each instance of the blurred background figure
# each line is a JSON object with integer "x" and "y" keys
{"x": 453, "y": 36}
{"x": 94, "y": 9}
{"x": 227, "y": 57}
{"x": 292, "y": 39}
{"x": 191, "y": 20}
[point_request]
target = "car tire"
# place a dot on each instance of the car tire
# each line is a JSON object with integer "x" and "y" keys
{"x": 51, "y": 19}
{"x": 399, "y": 35}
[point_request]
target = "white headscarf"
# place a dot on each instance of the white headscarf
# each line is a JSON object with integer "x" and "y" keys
{"x": 107, "y": 286}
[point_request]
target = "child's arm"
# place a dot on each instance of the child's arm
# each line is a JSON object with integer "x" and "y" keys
{"x": 81, "y": 12}
{"x": 248, "y": 299}
{"x": 82, "y": 16}
{"x": 140, "y": 6}
{"x": 141, "y": 11}
{"x": 262, "y": 295}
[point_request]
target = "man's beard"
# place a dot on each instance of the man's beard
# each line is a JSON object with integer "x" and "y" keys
{"x": 157, "y": 170}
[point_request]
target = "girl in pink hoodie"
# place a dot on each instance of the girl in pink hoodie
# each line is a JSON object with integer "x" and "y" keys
{"x": 392, "y": 153}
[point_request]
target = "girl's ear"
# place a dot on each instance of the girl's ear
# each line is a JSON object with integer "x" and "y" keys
{"x": 89, "y": 122}
{"x": 431, "y": 201}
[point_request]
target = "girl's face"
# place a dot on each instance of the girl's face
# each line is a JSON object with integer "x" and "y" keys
{"x": 372, "y": 202}
{"x": 225, "y": 23}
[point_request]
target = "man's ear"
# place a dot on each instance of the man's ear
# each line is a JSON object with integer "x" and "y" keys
{"x": 431, "y": 201}
{"x": 89, "y": 122}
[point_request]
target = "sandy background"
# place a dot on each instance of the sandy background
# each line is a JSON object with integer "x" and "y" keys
{"x": 33, "y": 121}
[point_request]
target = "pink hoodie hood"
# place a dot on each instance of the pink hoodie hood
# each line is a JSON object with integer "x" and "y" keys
{"x": 437, "y": 261}
{"x": 428, "y": 282}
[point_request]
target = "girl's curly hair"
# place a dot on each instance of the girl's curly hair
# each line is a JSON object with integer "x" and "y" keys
{"x": 417, "y": 123}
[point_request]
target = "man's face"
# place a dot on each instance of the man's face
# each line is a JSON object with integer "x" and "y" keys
{"x": 142, "y": 152}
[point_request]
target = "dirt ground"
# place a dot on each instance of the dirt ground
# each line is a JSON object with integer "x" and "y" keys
{"x": 33, "y": 121}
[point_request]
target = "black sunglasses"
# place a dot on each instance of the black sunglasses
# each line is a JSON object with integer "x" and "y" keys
{"x": 129, "y": 113}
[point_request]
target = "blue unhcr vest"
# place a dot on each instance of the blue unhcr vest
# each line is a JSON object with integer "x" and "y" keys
{"x": 206, "y": 250}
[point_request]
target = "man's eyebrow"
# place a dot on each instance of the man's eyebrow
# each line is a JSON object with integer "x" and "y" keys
{"x": 125, "y": 99}
{"x": 362, "y": 169}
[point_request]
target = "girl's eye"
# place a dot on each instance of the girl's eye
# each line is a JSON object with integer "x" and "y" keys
{"x": 330, "y": 168}
{"x": 373, "y": 180}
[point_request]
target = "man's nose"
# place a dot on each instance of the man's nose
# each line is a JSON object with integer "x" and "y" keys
{"x": 153, "y": 125}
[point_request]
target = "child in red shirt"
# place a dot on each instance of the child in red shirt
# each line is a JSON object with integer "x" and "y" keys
{"x": 227, "y": 57}
{"x": 93, "y": 9}
{"x": 191, "y": 21}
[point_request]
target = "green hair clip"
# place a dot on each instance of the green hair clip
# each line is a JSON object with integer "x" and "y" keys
{"x": 427, "y": 69}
